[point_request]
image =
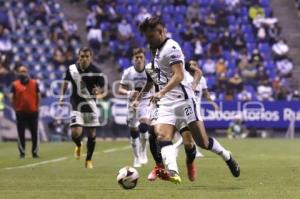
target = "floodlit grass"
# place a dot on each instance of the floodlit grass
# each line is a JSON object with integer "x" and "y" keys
{"x": 270, "y": 169}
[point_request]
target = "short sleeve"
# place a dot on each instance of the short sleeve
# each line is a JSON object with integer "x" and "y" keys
{"x": 124, "y": 79}
{"x": 175, "y": 56}
{"x": 203, "y": 83}
{"x": 67, "y": 75}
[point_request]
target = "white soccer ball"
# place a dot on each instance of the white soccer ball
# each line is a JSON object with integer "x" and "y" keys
{"x": 128, "y": 177}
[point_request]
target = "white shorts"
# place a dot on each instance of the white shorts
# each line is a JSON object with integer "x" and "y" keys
{"x": 179, "y": 114}
{"x": 84, "y": 119}
{"x": 134, "y": 115}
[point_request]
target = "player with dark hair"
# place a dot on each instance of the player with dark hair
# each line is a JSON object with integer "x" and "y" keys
{"x": 175, "y": 100}
{"x": 133, "y": 80}
{"x": 87, "y": 85}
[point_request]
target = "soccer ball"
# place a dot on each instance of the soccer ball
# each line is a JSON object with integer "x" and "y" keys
{"x": 128, "y": 177}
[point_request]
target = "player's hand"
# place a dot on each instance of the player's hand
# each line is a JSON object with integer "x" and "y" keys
{"x": 134, "y": 104}
{"x": 97, "y": 90}
{"x": 156, "y": 97}
{"x": 194, "y": 87}
{"x": 132, "y": 94}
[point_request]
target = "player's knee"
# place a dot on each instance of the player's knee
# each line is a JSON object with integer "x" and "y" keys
{"x": 143, "y": 128}
{"x": 163, "y": 143}
{"x": 76, "y": 134}
{"x": 134, "y": 134}
{"x": 189, "y": 145}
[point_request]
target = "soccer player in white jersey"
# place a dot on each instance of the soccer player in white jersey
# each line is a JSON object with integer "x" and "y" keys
{"x": 185, "y": 137}
{"x": 133, "y": 80}
{"x": 200, "y": 90}
{"x": 176, "y": 106}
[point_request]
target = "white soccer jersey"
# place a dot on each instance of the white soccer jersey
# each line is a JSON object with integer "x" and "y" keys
{"x": 160, "y": 72}
{"x": 200, "y": 87}
{"x": 134, "y": 79}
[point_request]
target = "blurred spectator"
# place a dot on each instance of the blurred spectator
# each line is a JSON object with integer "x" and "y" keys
{"x": 5, "y": 42}
{"x": 39, "y": 11}
{"x": 179, "y": 3}
{"x": 294, "y": 96}
{"x": 221, "y": 66}
{"x": 243, "y": 60}
{"x": 282, "y": 93}
{"x": 124, "y": 30}
{"x": 222, "y": 83}
{"x": 264, "y": 92}
{"x": 209, "y": 67}
{"x": 211, "y": 19}
{"x": 236, "y": 83}
{"x": 143, "y": 14}
{"x": 280, "y": 49}
{"x": 261, "y": 75}
{"x": 238, "y": 41}
{"x": 58, "y": 57}
{"x": 111, "y": 11}
{"x": 192, "y": 11}
{"x": 188, "y": 33}
{"x": 198, "y": 49}
{"x": 74, "y": 1}
{"x": 232, "y": 4}
{"x": 237, "y": 129}
{"x": 244, "y": 96}
{"x": 256, "y": 10}
{"x": 226, "y": 41}
{"x": 274, "y": 32}
{"x": 256, "y": 58}
{"x": 214, "y": 50}
{"x": 284, "y": 67}
{"x": 94, "y": 38}
{"x": 249, "y": 74}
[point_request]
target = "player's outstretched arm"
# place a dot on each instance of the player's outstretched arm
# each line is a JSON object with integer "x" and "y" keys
{"x": 207, "y": 97}
{"x": 197, "y": 73}
{"x": 63, "y": 90}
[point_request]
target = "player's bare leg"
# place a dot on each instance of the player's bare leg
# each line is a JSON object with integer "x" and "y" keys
{"x": 77, "y": 137}
{"x": 91, "y": 143}
{"x": 155, "y": 151}
{"x": 190, "y": 151}
{"x": 164, "y": 134}
{"x": 202, "y": 140}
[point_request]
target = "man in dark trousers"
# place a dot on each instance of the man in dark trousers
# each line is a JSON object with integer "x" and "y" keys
{"x": 25, "y": 99}
{"x": 87, "y": 86}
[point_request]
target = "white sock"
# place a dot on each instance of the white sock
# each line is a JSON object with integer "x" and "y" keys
{"x": 135, "y": 144}
{"x": 169, "y": 156}
{"x": 143, "y": 139}
{"x": 219, "y": 149}
{"x": 179, "y": 142}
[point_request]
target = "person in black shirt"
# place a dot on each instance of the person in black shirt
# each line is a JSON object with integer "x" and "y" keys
{"x": 87, "y": 85}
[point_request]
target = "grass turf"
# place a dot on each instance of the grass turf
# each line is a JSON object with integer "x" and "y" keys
{"x": 270, "y": 169}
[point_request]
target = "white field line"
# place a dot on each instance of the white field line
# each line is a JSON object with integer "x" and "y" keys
{"x": 37, "y": 164}
{"x": 63, "y": 158}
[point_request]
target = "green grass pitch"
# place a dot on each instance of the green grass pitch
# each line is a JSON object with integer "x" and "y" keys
{"x": 270, "y": 169}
